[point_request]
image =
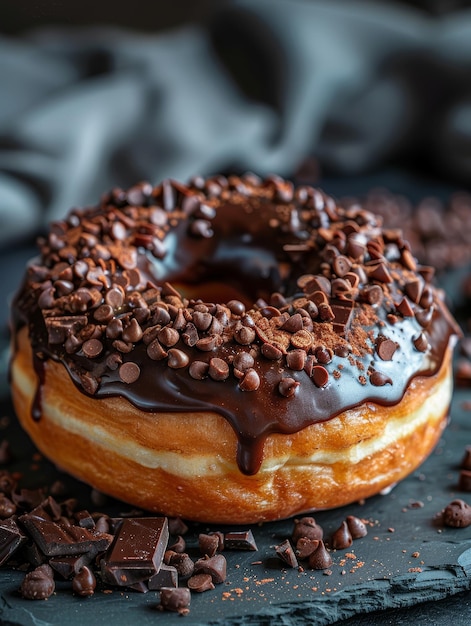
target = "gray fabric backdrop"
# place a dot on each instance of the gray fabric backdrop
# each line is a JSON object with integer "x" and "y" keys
{"x": 259, "y": 87}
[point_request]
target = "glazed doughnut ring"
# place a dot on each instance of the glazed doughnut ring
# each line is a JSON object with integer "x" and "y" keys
{"x": 232, "y": 350}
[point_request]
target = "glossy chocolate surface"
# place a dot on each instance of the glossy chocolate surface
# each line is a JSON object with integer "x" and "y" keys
{"x": 269, "y": 305}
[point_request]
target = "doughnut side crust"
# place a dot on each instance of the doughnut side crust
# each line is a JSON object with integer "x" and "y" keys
{"x": 183, "y": 464}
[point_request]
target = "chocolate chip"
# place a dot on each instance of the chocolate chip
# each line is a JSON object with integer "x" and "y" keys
{"x": 250, "y": 381}
{"x": 457, "y": 514}
{"x": 341, "y": 538}
{"x": 341, "y": 265}
{"x": 305, "y": 547}
{"x": 218, "y": 369}
{"x": 373, "y": 294}
{"x": 207, "y": 344}
{"x": 296, "y": 359}
{"x": 244, "y": 335}
{"x": 320, "y": 558}
{"x": 129, "y": 372}
{"x": 320, "y": 376}
{"x": 293, "y": 323}
{"x": 84, "y": 582}
{"x": 356, "y": 527}
{"x": 7, "y": 507}
{"x": 323, "y": 355}
{"x": 378, "y": 379}
{"x": 308, "y": 528}
{"x": 288, "y": 387}
{"x": 271, "y": 351}
{"x": 168, "y": 336}
{"x": 175, "y": 599}
{"x": 92, "y": 348}
{"x": 420, "y": 342}
{"x": 177, "y": 359}
{"x": 385, "y": 348}
{"x": 179, "y": 545}
{"x": 200, "y": 583}
{"x": 208, "y": 544}
{"x": 183, "y": 564}
{"x": 133, "y": 332}
{"x": 38, "y": 584}
{"x": 215, "y": 566}
{"x": 202, "y": 320}
{"x": 243, "y": 361}
{"x": 155, "y": 351}
{"x": 198, "y": 370}
{"x": 236, "y": 307}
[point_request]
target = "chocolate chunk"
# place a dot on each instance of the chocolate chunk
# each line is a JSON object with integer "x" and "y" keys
{"x": 240, "y": 540}
{"x": 38, "y": 584}
{"x": 84, "y": 519}
{"x": 68, "y": 566}
{"x": 175, "y": 599}
{"x": 286, "y": 553}
{"x": 136, "y": 552}
{"x": 84, "y": 582}
{"x": 167, "y": 576}
{"x": 11, "y": 538}
{"x": 342, "y": 315}
{"x": 56, "y": 539}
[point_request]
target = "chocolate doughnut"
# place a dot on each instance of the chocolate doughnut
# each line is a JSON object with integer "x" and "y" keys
{"x": 230, "y": 350}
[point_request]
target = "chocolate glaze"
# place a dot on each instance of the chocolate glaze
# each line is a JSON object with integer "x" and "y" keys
{"x": 285, "y": 252}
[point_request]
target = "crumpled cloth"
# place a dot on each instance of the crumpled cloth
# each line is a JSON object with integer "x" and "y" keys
{"x": 260, "y": 87}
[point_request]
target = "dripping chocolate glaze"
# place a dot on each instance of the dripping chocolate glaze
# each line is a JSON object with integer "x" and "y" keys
{"x": 318, "y": 290}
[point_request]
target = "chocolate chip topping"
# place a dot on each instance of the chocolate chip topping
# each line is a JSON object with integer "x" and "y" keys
{"x": 331, "y": 292}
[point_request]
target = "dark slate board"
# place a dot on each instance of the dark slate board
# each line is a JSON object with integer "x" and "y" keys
{"x": 380, "y": 571}
{"x": 383, "y": 575}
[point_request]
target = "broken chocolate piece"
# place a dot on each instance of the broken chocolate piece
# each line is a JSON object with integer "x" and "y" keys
{"x": 11, "y": 538}
{"x": 136, "y": 552}
{"x": 167, "y": 576}
{"x": 286, "y": 553}
{"x": 55, "y": 539}
{"x": 240, "y": 540}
